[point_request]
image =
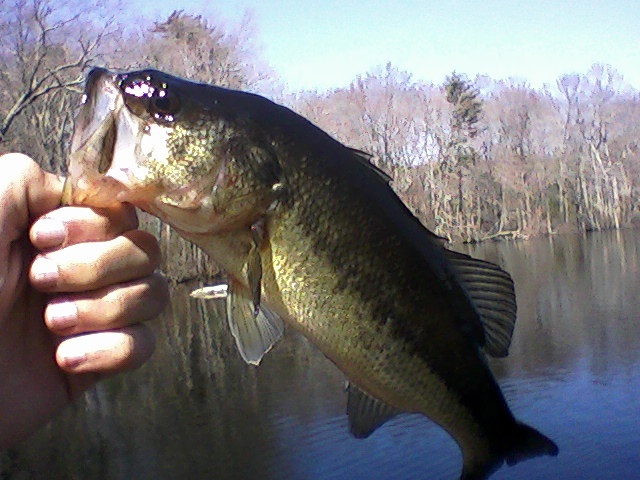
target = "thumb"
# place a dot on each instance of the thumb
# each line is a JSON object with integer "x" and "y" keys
{"x": 26, "y": 192}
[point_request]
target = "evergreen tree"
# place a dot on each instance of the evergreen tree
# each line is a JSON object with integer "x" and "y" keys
{"x": 467, "y": 109}
{"x": 465, "y": 115}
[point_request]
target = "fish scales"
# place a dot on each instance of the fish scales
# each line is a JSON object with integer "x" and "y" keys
{"x": 310, "y": 233}
{"x": 368, "y": 286}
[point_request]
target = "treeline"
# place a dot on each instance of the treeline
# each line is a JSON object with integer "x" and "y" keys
{"x": 475, "y": 158}
{"x": 478, "y": 159}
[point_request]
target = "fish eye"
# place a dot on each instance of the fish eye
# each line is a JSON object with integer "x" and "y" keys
{"x": 147, "y": 98}
{"x": 164, "y": 104}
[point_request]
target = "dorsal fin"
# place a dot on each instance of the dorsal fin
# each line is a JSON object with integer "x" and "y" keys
{"x": 366, "y": 413}
{"x": 490, "y": 290}
{"x": 364, "y": 158}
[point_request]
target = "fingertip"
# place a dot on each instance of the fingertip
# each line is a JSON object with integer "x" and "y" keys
{"x": 108, "y": 308}
{"x": 148, "y": 244}
{"x": 106, "y": 353}
{"x": 48, "y": 232}
{"x": 44, "y": 273}
{"x": 61, "y": 315}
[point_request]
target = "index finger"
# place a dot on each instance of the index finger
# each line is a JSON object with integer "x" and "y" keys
{"x": 71, "y": 225}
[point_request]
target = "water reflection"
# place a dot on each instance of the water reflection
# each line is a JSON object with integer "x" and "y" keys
{"x": 575, "y": 359}
{"x": 197, "y": 411}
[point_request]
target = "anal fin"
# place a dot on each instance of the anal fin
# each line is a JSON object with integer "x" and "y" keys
{"x": 365, "y": 412}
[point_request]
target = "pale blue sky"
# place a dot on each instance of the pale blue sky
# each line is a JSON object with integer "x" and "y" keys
{"x": 324, "y": 44}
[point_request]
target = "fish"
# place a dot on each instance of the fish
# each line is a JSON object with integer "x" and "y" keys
{"x": 312, "y": 236}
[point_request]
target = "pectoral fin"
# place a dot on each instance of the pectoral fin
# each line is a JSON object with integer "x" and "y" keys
{"x": 255, "y": 328}
{"x": 492, "y": 294}
{"x": 254, "y": 264}
{"x": 366, "y": 413}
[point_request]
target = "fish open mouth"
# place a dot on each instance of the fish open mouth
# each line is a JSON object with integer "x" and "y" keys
{"x": 108, "y": 146}
{"x": 92, "y": 156}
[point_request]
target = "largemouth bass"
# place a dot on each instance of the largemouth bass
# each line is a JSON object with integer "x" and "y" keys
{"x": 311, "y": 235}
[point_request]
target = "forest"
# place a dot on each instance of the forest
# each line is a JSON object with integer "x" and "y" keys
{"x": 474, "y": 158}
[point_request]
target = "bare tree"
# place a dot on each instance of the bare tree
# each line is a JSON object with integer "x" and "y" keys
{"x": 534, "y": 162}
{"x": 474, "y": 160}
{"x": 196, "y": 48}
{"x": 40, "y": 66}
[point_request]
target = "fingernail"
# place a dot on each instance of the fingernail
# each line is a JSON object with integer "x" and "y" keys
{"x": 44, "y": 271}
{"x": 72, "y": 353}
{"x": 50, "y": 232}
{"x": 62, "y": 315}
{"x": 73, "y": 359}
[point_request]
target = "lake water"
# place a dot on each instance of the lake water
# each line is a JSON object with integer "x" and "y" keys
{"x": 197, "y": 411}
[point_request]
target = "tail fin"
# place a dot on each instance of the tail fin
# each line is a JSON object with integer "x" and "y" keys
{"x": 523, "y": 443}
{"x": 527, "y": 442}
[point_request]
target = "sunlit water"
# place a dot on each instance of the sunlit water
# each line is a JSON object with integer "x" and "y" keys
{"x": 197, "y": 411}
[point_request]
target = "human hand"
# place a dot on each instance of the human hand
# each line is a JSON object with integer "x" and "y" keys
{"x": 74, "y": 287}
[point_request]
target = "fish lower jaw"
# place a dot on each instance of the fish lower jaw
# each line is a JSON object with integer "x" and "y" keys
{"x": 99, "y": 193}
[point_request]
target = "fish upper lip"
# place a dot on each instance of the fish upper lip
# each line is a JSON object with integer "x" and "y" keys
{"x": 96, "y": 115}
{"x": 94, "y": 141}
{"x": 96, "y": 75}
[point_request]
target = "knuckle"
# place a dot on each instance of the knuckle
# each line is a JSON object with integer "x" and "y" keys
{"x": 98, "y": 269}
{"x": 137, "y": 301}
{"x": 160, "y": 287}
{"x": 134, "y": 346}
{"x": 151, "y": 297}
{"x": 79, "y": 266}
{"x": 121, "y": 218}
{"x": 148, "y": 244}
{"x": 90, "y": 224}
{"x": 83, "y": 224}
{"x": 120, "y": 307}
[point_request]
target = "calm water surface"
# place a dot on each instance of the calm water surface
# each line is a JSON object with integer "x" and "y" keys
{"x": 197, "y": 411}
